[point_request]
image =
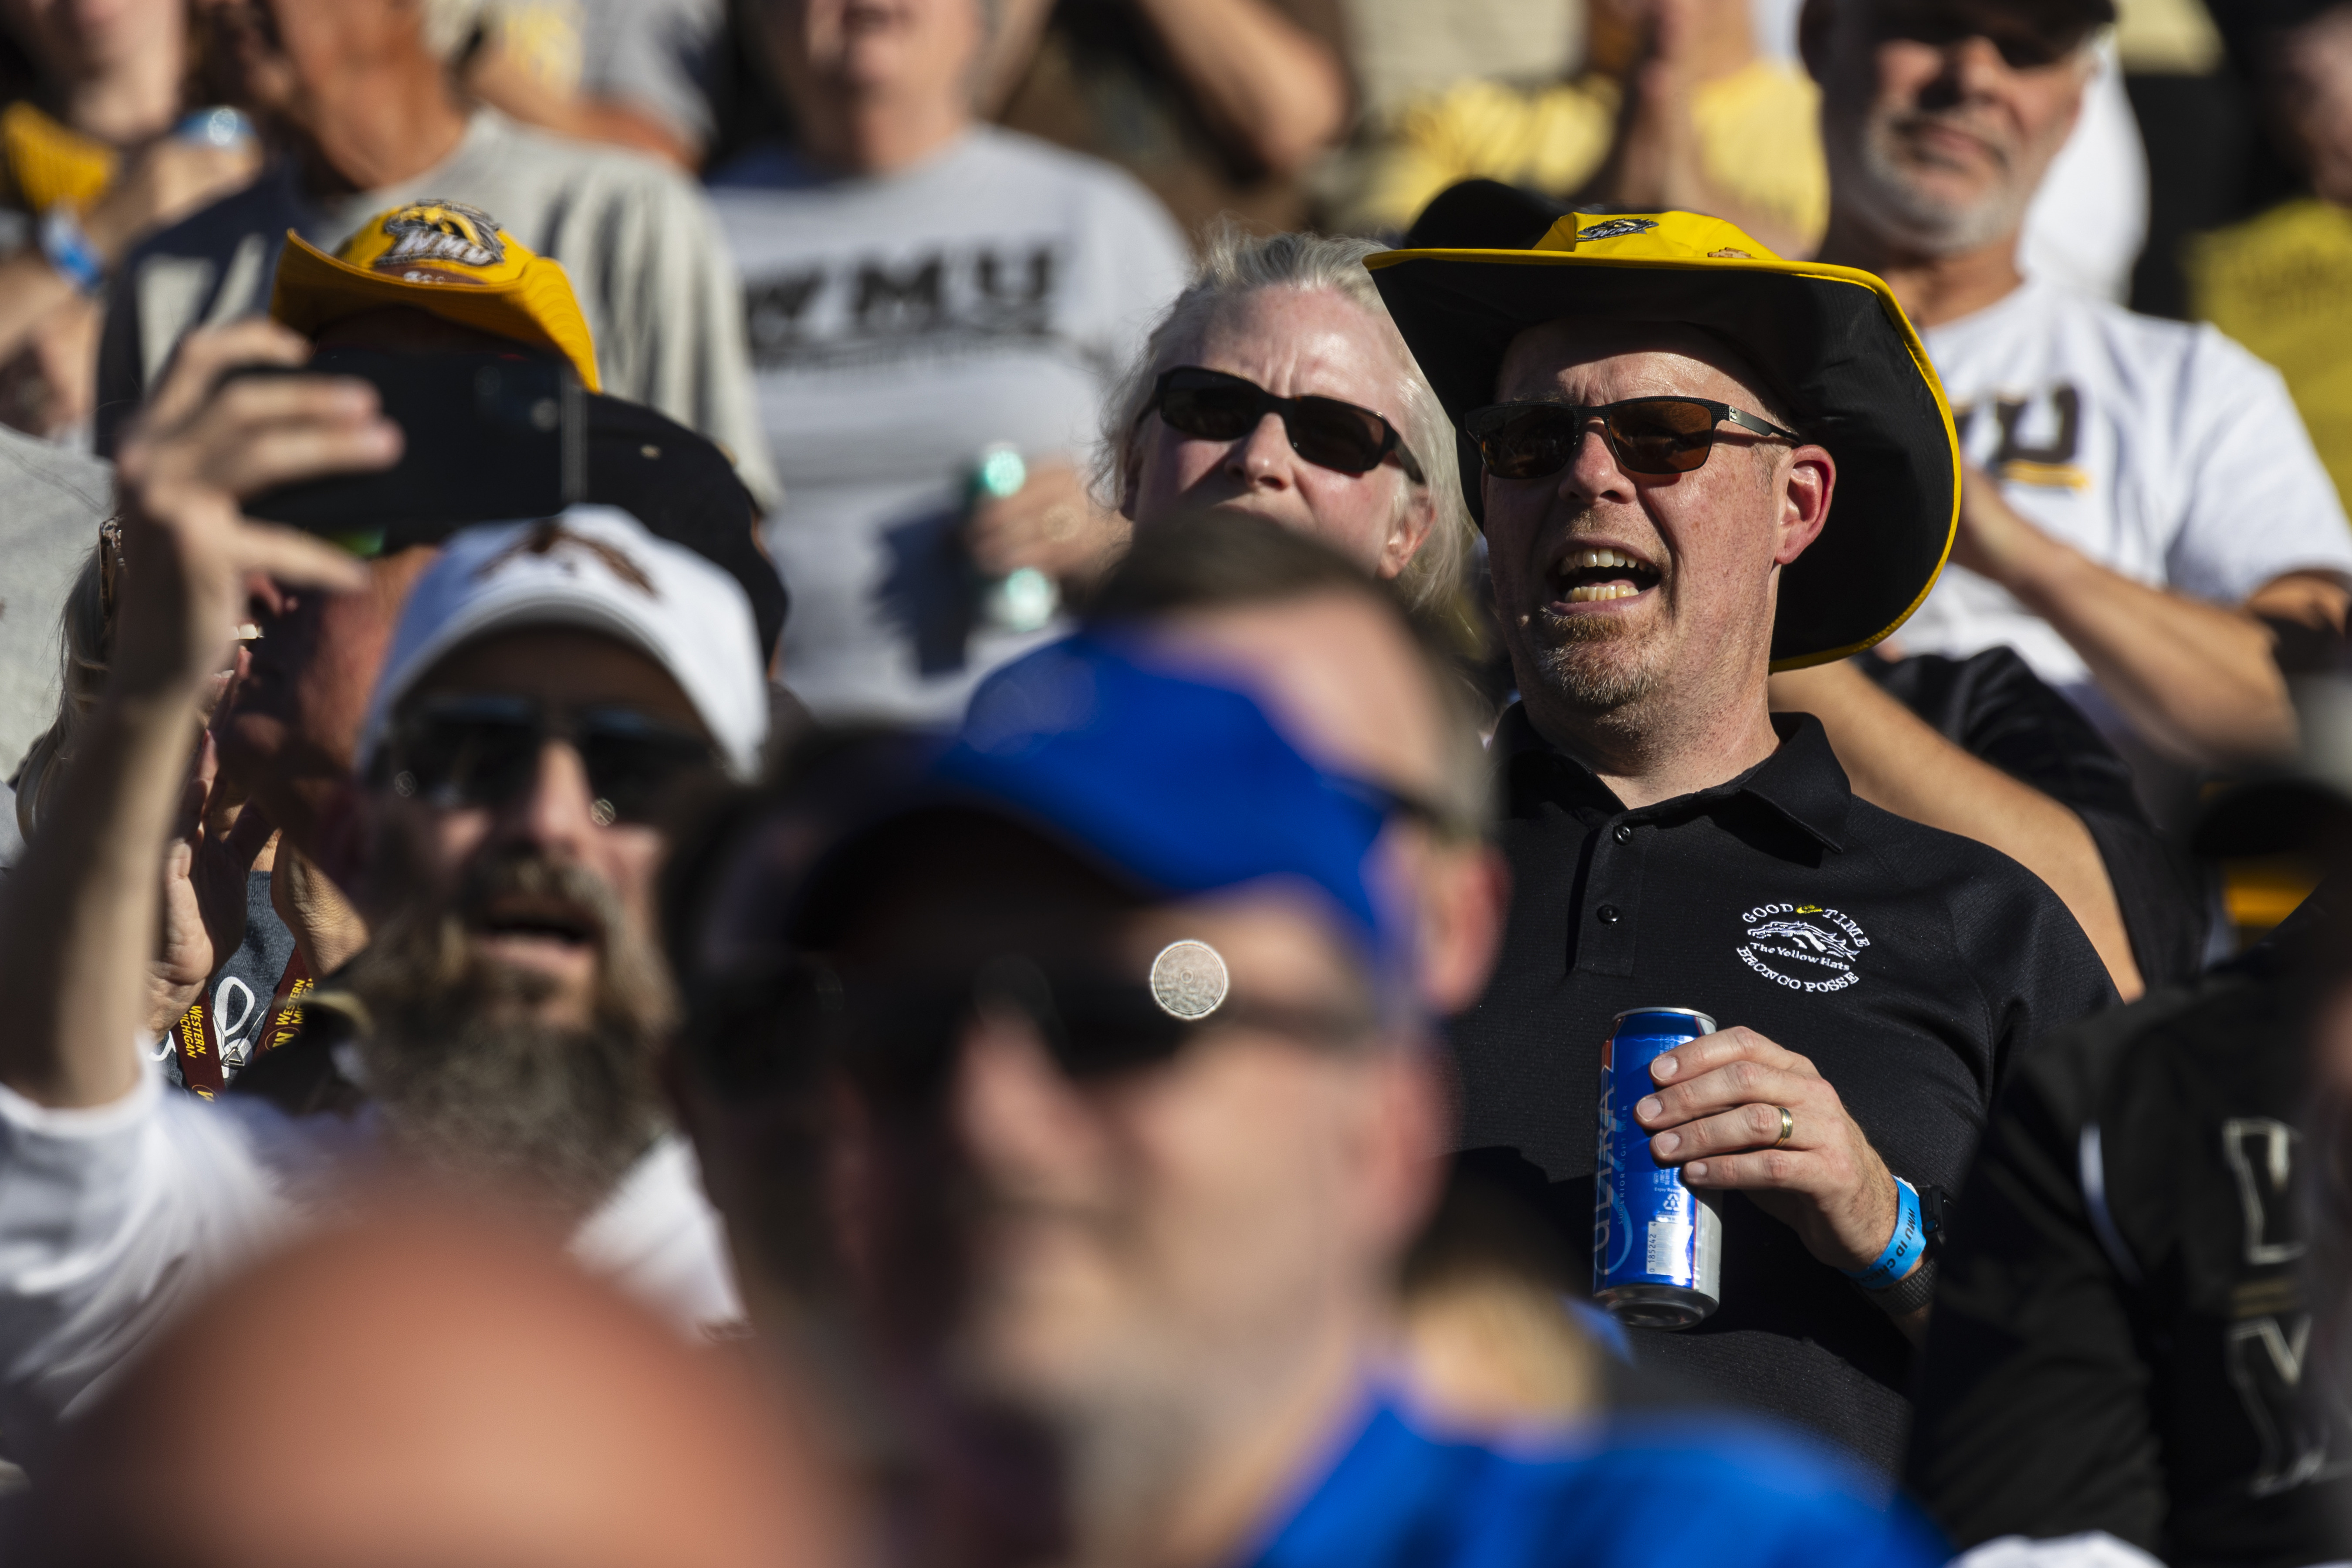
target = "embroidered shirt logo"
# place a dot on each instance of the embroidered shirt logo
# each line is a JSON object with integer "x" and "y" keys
{"x": 1616, "y": 228}
{"x": 1805, "y": 947}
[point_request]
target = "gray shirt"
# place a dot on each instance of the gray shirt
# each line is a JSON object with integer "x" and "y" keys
{"x": 51, "y": 502}
{"x": 899, "y": 325}
{"x": 636, "y": 238}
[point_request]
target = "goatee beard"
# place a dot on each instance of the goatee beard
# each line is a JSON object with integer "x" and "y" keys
{"x": 1571, "y": 658}
{"x": 480, "y": 1090}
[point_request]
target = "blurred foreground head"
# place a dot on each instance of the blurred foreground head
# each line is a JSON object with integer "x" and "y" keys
{"x": 428, "y": 1391}
{"x": 1353, "y": 682}
{"x": 1131, "y": 1114}
{"x": 1330, "y": 655}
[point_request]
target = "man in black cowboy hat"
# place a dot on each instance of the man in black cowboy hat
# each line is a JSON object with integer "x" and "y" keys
{"x": 1701, "y": 463}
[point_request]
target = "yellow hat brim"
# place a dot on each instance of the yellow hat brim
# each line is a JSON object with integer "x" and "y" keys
{"x": 1833, "y": 339}
{"x": 536, "y": 306}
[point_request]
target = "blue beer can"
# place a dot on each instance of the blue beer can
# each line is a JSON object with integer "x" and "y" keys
{"x": 1657, "y": 1247}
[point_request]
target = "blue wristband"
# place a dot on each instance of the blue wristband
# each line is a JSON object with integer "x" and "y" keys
{"x": 68, "y": 250}
{"x": 1904, "y": 1248}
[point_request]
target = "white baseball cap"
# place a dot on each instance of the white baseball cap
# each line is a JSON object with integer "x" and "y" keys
{"x": 594, "y": 568}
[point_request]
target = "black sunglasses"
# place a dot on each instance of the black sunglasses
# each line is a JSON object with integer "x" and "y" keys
{"x": 1330, "y": 434}
{"x": 777, "y": 1024}
{"x": 1648, "y": 435}
{"x": 484, "y": 751}
{"x": 2026, "y": 41}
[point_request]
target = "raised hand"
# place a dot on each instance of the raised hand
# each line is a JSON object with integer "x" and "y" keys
{"x": 79, "y": 919}
{"x": 200, "y": 446}
{"x": 204, "y": 894}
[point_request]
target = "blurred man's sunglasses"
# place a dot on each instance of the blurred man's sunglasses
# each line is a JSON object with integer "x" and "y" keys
{"x": 1216, "y": 406}
{"x": 1648, "y": 435}
{"x": 776, "y": 1025}
{"x": 484, "y": 752}
{"x": 2026, "y": 37}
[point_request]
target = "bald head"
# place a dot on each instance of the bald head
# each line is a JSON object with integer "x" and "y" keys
{"x": 431, "y": 1390}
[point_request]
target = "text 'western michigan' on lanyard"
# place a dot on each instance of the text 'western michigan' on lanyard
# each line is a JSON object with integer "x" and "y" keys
{"x": 196, "y": 1037}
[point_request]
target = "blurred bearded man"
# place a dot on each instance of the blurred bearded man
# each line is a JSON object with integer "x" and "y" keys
{"x": 550, "y": 686}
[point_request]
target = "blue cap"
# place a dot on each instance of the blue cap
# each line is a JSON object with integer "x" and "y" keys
{"x": 1184, "y": 788}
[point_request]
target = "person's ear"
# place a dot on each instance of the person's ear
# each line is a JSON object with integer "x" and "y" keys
{"x": 1410, "y": 530}
{"x": 1807, "y": 483}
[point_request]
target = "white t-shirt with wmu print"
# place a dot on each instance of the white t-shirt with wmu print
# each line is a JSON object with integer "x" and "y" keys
{"x": 2162, "y": 450}
{"x": 898, "y": 326}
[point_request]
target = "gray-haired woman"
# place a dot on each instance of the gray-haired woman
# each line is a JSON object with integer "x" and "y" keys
{"x": 1276, "y": 384}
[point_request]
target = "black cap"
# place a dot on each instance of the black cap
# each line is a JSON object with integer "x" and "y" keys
{"x": 683, "y": 489}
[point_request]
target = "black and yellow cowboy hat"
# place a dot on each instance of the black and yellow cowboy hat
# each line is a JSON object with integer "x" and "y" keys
{"x": 1485, "y": 261}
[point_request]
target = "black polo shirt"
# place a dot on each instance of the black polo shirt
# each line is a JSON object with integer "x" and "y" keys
{"x": 1910, "y": 964}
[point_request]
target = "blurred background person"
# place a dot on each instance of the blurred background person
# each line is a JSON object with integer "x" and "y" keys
{"x": 356, "y": 102}
{"x": 2124, "y": 1338}
{"x": 428, "y": 1385}
{"x": 1677, "y": 107}
{"x": 1704, "y": 105}
{"x": 1276, "y": 386}
{"x": 2275, "y": 281}
{"x": 2138, "y": 492}
{"x": 98, "y": 148}
{"x": 635, "y": 73}
{"x": 936, "y": 309}
{"x": 1218, "y": 106}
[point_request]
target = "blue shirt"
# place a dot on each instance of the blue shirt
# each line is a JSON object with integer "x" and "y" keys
{"x": 1676, "y": 1490}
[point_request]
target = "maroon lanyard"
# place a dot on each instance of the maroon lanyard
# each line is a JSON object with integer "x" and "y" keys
{"x": 197, "y": 1036}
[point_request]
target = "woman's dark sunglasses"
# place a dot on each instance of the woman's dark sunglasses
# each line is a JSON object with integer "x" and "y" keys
{"x": 1330, "y": 434}
{"x": 1648, "y": 435}
{"x": 484, "y": 752}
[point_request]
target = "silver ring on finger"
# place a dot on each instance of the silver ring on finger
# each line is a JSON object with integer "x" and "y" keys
{"x": 1787, "y": 1127}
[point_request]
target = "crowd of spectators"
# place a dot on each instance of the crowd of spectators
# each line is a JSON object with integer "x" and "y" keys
{"x": 872, "y": 782}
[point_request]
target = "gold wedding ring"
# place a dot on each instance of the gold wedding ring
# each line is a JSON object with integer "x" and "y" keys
{"x": 1787, "y": 1127}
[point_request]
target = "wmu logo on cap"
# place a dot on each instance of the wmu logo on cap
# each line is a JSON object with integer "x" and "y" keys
{"x": 441, "y": 242}
{"x": 448, "y": 259}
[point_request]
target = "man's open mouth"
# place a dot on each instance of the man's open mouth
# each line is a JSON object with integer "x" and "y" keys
{"x": 540, "y": 919}
{"x": 1586, "y": 576}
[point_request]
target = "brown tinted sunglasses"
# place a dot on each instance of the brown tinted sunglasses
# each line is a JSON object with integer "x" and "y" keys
{"x": 1648, "y": 435}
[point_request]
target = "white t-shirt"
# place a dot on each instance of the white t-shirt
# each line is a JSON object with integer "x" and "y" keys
{"x": 898, "y": 326}
{"x": 2164, "y": 451}
{"x": 114, "y": 1217}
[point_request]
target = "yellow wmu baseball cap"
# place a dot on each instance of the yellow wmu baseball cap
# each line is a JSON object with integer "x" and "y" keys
{"x": 1485, "y": 262}
{"x": 445, "y": 257}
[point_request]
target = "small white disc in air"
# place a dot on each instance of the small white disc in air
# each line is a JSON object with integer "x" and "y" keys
{"x": 1188, "y": 980}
